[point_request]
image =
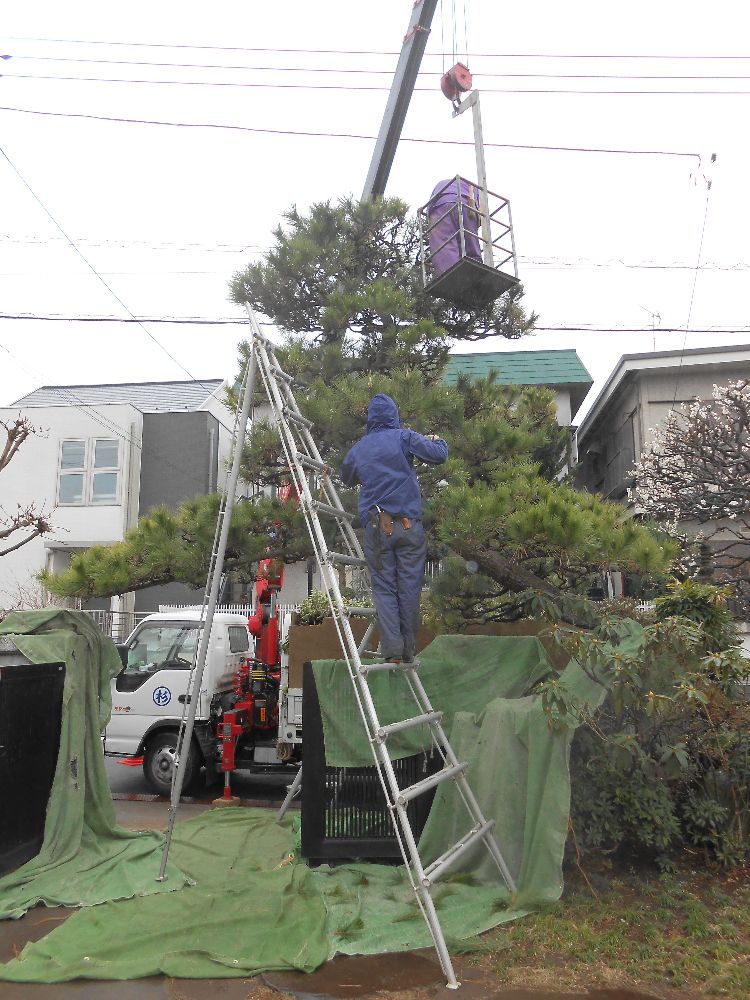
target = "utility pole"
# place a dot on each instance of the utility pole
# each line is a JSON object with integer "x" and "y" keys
{"x": 415, "y": 42}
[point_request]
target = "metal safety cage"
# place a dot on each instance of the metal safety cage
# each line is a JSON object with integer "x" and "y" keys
{"x": 467, "y": 247}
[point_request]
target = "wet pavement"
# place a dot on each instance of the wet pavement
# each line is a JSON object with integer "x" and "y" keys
{"x": 415, "y": 975}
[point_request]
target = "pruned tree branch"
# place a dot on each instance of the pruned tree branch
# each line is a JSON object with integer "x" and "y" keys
{"x": 28, "y": 520}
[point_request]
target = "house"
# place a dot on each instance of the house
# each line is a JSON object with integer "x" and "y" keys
{"x": 636, "y": 398}
{"x": 104, "y": 456}
{"x": 561, "y": 371}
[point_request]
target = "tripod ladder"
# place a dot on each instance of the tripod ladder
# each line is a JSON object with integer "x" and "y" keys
{"x": 307, "y": 468}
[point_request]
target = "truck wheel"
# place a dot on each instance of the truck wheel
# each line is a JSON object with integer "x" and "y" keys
{"x": 158, "y": 763}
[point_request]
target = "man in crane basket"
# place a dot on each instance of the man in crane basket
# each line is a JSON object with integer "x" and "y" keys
{"x": 390, "y": 509}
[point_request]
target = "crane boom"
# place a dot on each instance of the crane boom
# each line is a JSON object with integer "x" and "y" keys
{"x": 402, "y": 88}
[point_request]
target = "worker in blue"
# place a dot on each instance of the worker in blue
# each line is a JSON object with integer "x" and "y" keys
{"x": 390, "y": 509}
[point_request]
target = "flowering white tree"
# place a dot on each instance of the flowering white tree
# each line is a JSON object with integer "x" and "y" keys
{"x": 695, "y": 478}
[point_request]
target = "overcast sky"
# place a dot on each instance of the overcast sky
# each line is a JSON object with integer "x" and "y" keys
{"x": 166, "y": 213}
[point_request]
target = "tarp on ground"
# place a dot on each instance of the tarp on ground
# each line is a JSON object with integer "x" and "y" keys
{"x": 85, "y": 857}
{"x": 251, "y": 910}
{"x": 255, "y": 906}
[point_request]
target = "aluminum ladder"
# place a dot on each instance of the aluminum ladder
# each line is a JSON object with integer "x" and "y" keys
{"x": 307, "y": 467}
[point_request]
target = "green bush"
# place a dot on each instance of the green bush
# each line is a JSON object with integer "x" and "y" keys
{"x": 315, "y": 607}
{"x": 703, "y": 604}
{"x": 662, "y": 766}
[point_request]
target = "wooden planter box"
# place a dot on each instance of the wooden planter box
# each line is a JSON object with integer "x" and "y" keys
{"x": 321, "y": 642}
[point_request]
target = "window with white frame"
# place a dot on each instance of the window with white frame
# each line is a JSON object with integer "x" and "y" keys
{"x": 89, "y": 471}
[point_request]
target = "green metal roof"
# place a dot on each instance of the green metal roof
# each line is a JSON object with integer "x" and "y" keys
{"x": 548, "y": 368}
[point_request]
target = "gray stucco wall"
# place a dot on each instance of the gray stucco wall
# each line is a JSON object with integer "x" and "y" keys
{"x": 622, "y": 431}
{"x": 191, "y": 442}
{"x": 607, "y": 454}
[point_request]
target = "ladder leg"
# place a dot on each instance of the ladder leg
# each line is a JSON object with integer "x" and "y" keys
{"x": 292, "y": 791}
{"x": 302, "y": 456}
{"x": 433, "y": 923}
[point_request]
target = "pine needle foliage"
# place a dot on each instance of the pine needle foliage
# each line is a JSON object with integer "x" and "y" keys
{"x": 343, "y": 284}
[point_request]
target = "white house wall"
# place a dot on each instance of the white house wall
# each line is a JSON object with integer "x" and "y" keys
{"x": 32, "y": 477}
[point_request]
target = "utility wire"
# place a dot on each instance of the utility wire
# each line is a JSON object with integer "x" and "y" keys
{"x": 358, "y": 70}
{"x": 113, "y": 425}
{"x": 365, "y": 52}
{"x": 91, "y": 267}
{"x": 230, "y": 321}
{"x": 347, "y": 135}
{"x": 268, "y": 85}
{"x": 255, "y": 249}
{"x": 129, "y": 244}
{"x": 695, "y": 282}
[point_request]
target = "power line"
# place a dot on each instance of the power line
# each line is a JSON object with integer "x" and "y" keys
{"x": 230, "y": 321}
{"x": 590, "y": 328}
{"x": 365, "y": 52}
{"x": 177, "y": 320}
{"x": 230, "y": 248}
{"x": 91, "y": 267}
{"x": 267, "y": 85}
{"x": 543, "y": 265}
{"x": 551, "y": 263}
{"x": 347, "y": 135}
{"x": 354, "y": 70}
{"x": 129, "y": 244}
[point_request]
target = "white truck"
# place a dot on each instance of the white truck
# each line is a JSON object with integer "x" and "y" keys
{"x": 149, "y": 693}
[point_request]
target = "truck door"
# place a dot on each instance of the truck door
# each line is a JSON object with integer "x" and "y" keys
{"x": 153, "y": 683}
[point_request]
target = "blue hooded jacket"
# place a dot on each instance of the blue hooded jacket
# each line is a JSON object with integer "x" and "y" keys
{"x": 383, "y": 462}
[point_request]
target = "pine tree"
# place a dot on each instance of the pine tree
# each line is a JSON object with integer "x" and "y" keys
{"x": 343, "y": 285}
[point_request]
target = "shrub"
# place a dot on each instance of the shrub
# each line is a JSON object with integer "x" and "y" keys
{"x": 662, "y": 765}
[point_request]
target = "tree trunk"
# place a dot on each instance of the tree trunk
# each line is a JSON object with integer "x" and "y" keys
{"x": 517, "y": 578}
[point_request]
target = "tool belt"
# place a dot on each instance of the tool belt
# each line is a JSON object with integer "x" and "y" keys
{"x": 387, "y": 521}
{"x": 382, "y": 523}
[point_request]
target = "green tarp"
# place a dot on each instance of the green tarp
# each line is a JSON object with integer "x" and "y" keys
{"x": 255, "y": 906}
{"x": 518, "y": 766}
{"x": 85, "y": 858}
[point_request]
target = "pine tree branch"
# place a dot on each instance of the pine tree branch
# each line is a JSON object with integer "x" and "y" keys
{"x": 517, "y": 578}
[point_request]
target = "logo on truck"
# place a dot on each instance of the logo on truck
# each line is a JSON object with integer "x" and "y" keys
{"x": 162, "y": 696}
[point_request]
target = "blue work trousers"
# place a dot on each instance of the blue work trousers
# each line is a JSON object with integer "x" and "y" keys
{"x": 396, "y": 564}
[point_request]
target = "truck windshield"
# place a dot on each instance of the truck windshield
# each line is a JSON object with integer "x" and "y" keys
{"x": 162, "y": 647}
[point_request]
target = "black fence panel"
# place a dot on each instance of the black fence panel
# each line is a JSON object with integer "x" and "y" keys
{"x": 30, "y": 715}
{"x": 344, "y": 811}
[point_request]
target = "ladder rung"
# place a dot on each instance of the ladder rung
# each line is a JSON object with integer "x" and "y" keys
{"x": 369, "y": 668}
{"x": 311, "y": 463}
{"x": 282, "y": 374}
{"x": 428, "y": 719}
{"x": 440, "y": 865}
{"x": 420, "y": 787}
{"x": 360, "y": 612}
{"x": 340, "y": 559}
{"x": 326, "y": 508}
{"x": 296, "y": 418}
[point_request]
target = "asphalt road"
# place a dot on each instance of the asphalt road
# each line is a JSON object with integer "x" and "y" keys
{"x": 127, "y": 781}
